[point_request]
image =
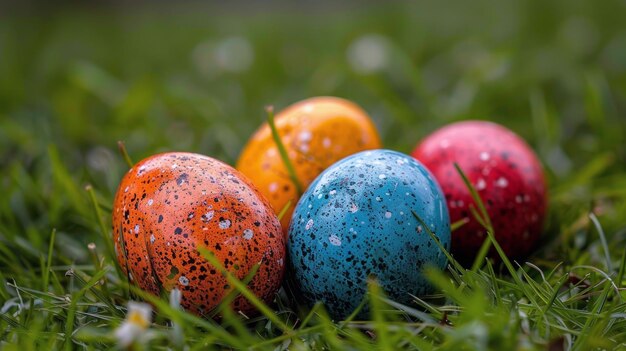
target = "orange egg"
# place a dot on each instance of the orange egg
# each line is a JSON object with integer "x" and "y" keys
{"x": 316, "y": 132}
{"x": 170, "y": 204}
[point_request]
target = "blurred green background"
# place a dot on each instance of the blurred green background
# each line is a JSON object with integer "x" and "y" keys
{"x": 187, "y": 76}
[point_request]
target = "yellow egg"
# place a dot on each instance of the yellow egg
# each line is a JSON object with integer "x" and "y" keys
{"x": 316, "y": 132}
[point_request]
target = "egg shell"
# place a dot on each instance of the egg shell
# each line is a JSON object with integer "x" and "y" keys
{"x": 356, "y": 220}
{"x": 170, "y": 204}
{"x": 316, "y": 132}
{"x": 507, "y": 175}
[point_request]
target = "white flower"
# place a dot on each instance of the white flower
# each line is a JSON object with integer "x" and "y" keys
{"x": 138, "y": 320}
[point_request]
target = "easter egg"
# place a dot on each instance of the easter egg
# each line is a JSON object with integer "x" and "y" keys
{"x": 169, "y": 205}
{"x": 507, "y": 176}
{"x": 356, "y": 221}
{"x": 316, "y": 133}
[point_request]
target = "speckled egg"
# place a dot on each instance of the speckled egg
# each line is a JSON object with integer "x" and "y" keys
{"x": 316, "y": 132}
{"x": 505, "y": 172}
{"x": 356, "y": 220}
{"x": 170, "y": 204}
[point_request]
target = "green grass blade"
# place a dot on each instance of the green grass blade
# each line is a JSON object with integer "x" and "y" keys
{"x": 605, "y": 246}
{"x": 458, "y": 224}
{"x": 71, "y": 313}
{"x": 284, "y": 210}
{"x": 622, "y": 268}
{"x": 432, "y": 235}
{"x": 121, "y": 146}
{"x": 233, "y": 294}
{"x": 245, "y": 292}
{"x": 282, "y": 151}
{"x": 46, "y": 273}
{"x": 383, "y": 341}
{"x": 484, "y": 215}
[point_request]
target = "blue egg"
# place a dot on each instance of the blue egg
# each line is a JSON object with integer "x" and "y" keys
{"x": 355, "y": 221}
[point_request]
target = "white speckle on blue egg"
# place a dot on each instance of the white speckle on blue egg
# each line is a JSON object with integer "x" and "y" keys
{"x": 355, "y": 220}
{"x": 334, "y": 240}
{"x": 354, "y": 207}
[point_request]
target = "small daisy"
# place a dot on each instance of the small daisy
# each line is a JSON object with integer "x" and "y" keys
{"x": 138, "y": 320}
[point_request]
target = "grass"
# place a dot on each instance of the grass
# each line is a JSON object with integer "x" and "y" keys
{"x": 74, "y": 81}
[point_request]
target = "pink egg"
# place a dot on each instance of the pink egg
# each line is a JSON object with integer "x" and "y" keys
{"x": 507, "y": 175}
